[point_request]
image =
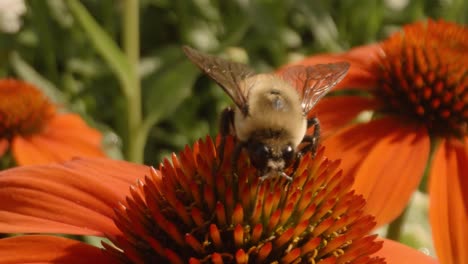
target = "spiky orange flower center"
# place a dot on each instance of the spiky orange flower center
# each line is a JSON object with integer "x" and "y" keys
{"x": 23, "y": 108}
{"x": 194, "y": 211}
{"x": 424, "y": 75}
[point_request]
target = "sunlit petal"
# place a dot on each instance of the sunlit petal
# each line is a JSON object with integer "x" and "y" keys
{"x": 76, "y": 129}
{"x": 77, "y": 197}
{"x": 66, "y": 136}
{"x": 48, "y": 249}
{"x": 387, "y": 159}
{"x": 361, "y": 60}
{"x": 336, "y": 112}
{"x": 448, "y": 214}
{"x": 397, "y": 253}
{"x": 28, "y": 153}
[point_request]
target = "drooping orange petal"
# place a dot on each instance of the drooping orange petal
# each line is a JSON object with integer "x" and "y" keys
{"x": 448, "y": 214}
{"x": 27, "y": 153}
{"x": 78, "y": 130}
{"x": 337, "y": 111}
{"x": 76, "y": 197}
{"x": 397, "y": 253}
{"x": 48, "y": 249}
{"x": 387, "y": 159}
{"x": 360, "y": 73}
{"x": 66, "y": 136}
{"x": 462, "y": 155}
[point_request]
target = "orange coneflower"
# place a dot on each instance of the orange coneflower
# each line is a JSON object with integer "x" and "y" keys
{"x": 35, "y": 133}
{"x": 415, "y": 84}
{"x": 189, "y": 211}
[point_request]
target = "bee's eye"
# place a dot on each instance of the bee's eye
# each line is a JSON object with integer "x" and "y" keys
{"x": 259, "y": 155}
{"x": 262, "y": 153}
{"x": 288, "y": 154}
{"x": 262, "y": 150}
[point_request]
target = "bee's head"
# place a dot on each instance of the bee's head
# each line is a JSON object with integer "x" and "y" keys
{"x": 270, "y": 157}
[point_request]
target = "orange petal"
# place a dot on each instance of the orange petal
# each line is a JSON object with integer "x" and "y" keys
{"x": 48, "y": 249}
{"x": 395, "y": 252}
{"x": 76, "y": 197}
{"x": 448, "y": 212}
{"x": 366, "y": 55}
{"x": 362, "y": 60}
{"x": 66, "y": 136}
{"x": 26, "y": 153}
{"x": 387, "y": 159}
{"x": 337, "y": 111}
{"x": 78, "y": 130}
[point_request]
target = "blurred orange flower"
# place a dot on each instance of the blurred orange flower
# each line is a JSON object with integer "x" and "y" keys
{"x": 35, "y": 133}
{"x": 415, "y": 86}
{"x": 192, "y": 210}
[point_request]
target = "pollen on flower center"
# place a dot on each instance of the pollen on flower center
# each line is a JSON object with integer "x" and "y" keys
{"x": 424, "y": 75}
{"x": 23, "y": 108}
{"x": 197, "y": 211}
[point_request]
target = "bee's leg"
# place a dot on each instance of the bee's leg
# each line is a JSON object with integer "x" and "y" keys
{"x": 225, "y": 129}
{"x": 311, "y": 141}
{"x": 282, "y": 174}
{"x": 314, "y": 139}
{"x": 311, "y": 146}
{"x": 235, "y": 156}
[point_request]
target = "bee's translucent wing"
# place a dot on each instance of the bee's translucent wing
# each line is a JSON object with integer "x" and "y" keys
{"x": 227, "y": 74}
{"x": 313, "y": 82}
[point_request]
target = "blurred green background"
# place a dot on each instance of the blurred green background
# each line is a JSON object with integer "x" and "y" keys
{"x": 50, "y": 48}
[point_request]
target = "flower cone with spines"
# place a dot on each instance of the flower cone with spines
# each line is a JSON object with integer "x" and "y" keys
{"x": 24, "y": 109}
{"x": 193, "y": 211}
{"x": 423, "y": 75}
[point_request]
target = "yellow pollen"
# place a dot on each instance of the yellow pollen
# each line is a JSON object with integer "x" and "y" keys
{"x": 23, "y": 109}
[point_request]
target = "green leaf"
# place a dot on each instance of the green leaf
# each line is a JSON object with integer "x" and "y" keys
{"x": 29, "y": 74}
{"x": 167, "y": 89}
{"x": 105, "y": 45}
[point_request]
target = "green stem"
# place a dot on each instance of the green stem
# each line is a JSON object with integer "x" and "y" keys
{"x": 394, "y": 228}
{"x": 131, "y": 44}
{"x": 41, "y": 18}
